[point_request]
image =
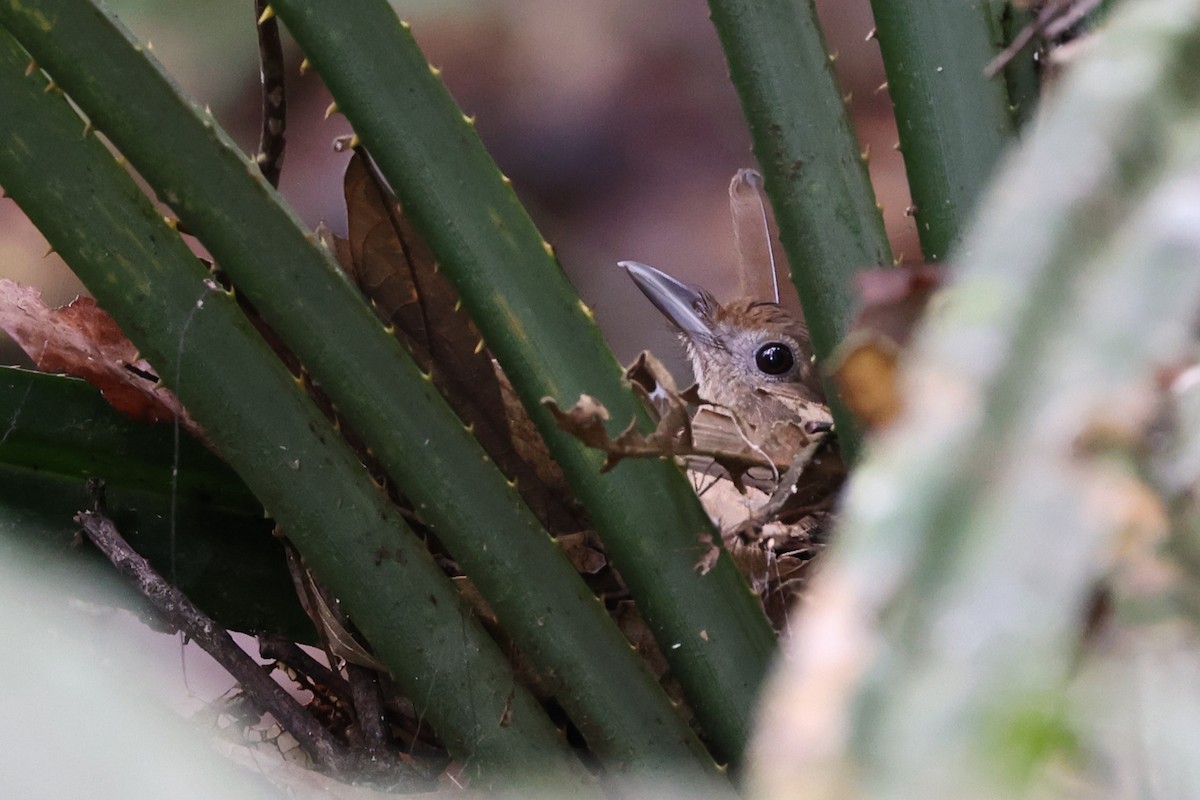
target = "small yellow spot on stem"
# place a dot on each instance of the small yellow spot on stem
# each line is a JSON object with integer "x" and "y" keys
{"x": 172, "y": 222}
{"x": 898, "y": 260}
{"x": 405, "y": 24}
{"x": 435, "y": 71}
{"x": 896, "y": 147}
{"x": 305, "y": 66}
{"x": 872, "y": 34}
{"x": 881, "y": 87}
{"x": 865, "y": 155}
{"x": 333, "y": 109}
{"x": 149, "y": 46}
{"x": 479, "y": 347}
{"x": 548, "y": 248}
{"x": 30, "y": 67}
{"x": 587, "y": 312}
{"x": 469, "y": 119}
{"x": 833, "y": 57}
{"x": 354, "y": 142}
{"x": 268, "y": 14}
{"x": 50, "y": 87}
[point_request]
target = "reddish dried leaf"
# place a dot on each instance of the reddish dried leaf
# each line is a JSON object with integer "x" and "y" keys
{"x": 81, "y": 339}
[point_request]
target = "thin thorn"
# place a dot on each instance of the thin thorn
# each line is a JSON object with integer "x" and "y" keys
{"x": 872, "y": 34}
{"x": 30, "y": 67}
{"x": 881, "y": 87}
{"x": 305, "y": 66}
{"x": 333, "y": 109}
{"x": 268, "y": 14}
{"x": 911, "y": 211}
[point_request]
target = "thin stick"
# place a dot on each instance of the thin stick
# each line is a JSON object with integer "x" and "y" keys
{"x": 175, "y": 608}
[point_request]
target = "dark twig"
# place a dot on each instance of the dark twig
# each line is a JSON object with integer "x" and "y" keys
{"x": 265, "y": 693}
{"x": 1051, "y": 20}
{"x": 274, "y": 102}
{"x": 368, "y": 708}
{"x": 290, "y": 654}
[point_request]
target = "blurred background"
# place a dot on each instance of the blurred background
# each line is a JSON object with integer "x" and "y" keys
{"x": 616, "y": 122}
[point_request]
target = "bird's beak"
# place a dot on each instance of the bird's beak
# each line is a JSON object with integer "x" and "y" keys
{"x": 684, "y": 305}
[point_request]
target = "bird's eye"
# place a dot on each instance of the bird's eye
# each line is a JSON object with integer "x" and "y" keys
{"x": 774, "y": 358}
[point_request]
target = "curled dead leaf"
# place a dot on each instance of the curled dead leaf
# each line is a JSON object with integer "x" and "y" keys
{"x": 82, "y": 340}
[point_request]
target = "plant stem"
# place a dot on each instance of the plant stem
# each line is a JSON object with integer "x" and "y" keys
{"x": 709, "y": 626}
{"x": 252, "y": 408}
{"x": 552, "y": 615}
{"x": 953, "y": 121}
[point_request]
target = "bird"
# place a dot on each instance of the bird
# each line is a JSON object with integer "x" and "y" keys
{"x": 749, "y": 356}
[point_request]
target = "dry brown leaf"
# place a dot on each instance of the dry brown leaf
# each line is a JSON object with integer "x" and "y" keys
{"x": 583, "y": 556}
{"x": 713, "y": 435}
{"x": 331, "y": 624}
{"x": 81, "y": 339}
{"x": 864, "y": 366}
{"x": 866, "y": 377}
{"x": 397, "y": 271}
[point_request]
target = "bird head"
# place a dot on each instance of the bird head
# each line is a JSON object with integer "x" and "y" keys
{"x": 749, "y": 355}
